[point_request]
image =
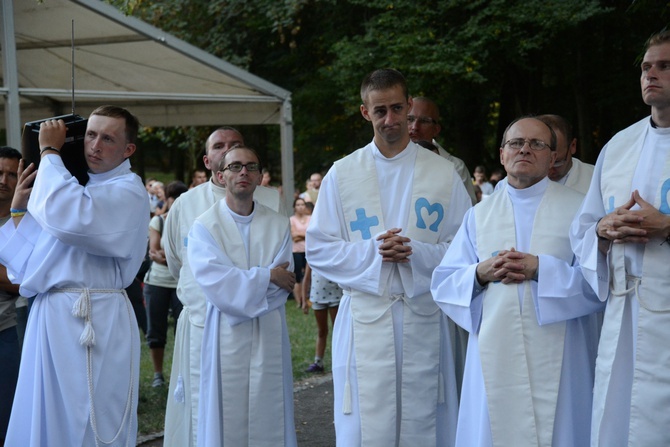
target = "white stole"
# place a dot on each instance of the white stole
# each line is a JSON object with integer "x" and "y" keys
{"x": 521, "y": 361}
{"x": 251, "y": 384}
{"x": 372, "y": 326}
{"x": 580, "y": 175}
{"x": 650, "y": 398}
{"x": 191, "y": 206}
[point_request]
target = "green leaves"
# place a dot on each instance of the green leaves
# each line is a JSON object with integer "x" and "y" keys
{"x": 484, "y": 61}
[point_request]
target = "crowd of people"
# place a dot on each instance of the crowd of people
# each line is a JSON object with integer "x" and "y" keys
{"x": 525, "y": 308}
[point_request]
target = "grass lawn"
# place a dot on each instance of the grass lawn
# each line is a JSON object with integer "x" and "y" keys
{"x": 152, "y": 401}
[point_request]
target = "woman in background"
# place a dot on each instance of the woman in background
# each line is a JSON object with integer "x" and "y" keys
{"x": 299, "y": 221}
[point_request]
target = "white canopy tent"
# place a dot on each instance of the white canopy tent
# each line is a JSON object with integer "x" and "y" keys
{"x": 122, "y": 60}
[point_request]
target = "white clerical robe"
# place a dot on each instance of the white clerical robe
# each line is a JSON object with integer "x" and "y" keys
{"x": 579, "y": 176}
{"x": 358, "y": 268}
{"x": 181, "y": 415}
{"x": 632, "y": 386}
{"x": 75, "y": 239}
{"x": 561, "y": 294}
{"x": 247, "y": 380}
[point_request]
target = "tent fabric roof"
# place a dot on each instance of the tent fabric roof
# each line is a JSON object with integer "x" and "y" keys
{"x": 120, "y": 59}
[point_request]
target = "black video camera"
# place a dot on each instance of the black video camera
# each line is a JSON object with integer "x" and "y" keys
{"x": 72, "y": 151}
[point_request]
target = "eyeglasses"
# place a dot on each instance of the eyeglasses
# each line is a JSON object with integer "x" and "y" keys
{"x": 237, "y": 167}
{"x": 423, "y": 120}
{"x": 518, "y": 143}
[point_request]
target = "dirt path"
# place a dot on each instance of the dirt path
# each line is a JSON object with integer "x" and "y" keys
{"x": 313, "y": 402}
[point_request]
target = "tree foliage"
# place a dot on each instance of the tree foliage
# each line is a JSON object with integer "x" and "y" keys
{"x": 484, "y": 62}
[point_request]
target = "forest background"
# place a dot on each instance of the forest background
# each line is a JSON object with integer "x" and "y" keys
{"x": 484, "y": 62}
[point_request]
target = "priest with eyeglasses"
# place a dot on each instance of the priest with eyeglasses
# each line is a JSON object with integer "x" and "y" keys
{"x": 241, "y": 256}
{"x": 511, "y": 280}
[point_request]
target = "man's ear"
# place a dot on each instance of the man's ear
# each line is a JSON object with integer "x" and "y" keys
{"x": 365, "y": 112}
{"x": 573, "y": 146}
{"x": 130, "y": 150}
{"x": 219, "y": 176}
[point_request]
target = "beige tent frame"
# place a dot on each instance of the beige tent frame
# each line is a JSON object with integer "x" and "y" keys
{"x": 122, "y": 60}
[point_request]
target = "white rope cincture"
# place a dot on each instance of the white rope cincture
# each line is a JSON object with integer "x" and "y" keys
{"x": 636, "y": 280}
{"x": 82, "y": 309}
{"x": 636, "y": 283}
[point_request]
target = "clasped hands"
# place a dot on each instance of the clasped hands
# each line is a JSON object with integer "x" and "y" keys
{"x": 393, "y": 247}
{"x": 624, "y": 225}
{"x": 509, "y": 267}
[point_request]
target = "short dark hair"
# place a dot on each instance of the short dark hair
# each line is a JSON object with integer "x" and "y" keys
{"x": 383, "y": 79}
{"x": 658, "y": 39}
{"x": 132, "y": 123}
{"x": 222, "y": 163}
{"x": 560, "y": 123}
{"x": 174, "y": 189}
{"x": 9, "y": 152}
{"x": 552, "y": 143}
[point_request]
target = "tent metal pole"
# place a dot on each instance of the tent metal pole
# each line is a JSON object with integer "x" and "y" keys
{"x": 10, "y": 75}
{"x": 287, "y": 175}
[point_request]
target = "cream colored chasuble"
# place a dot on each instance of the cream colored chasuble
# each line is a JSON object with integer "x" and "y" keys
{"x": 650, "y": 399}
{"x": 521, "y": 361}
{"x": 250, "y": 361}
{"x": 373, "y": 334}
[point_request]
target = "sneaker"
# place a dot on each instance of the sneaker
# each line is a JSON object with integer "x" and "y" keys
{"x": 314, "y": 368}
{"x": 159, "y": 380}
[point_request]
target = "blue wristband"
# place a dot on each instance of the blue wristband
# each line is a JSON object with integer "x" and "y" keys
{"x": 14, "y": 210}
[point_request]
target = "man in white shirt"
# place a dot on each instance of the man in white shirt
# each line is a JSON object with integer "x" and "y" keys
{"x": 622, "y": 239}
{"x": 384, "y": 219}
{"x": 240, "y": 254}
{"x": 181, "y": 415}
{"x": 75, "y": 248}
{"x": 510, "y": 280}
